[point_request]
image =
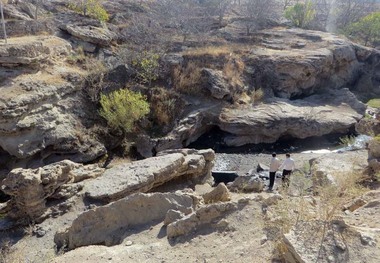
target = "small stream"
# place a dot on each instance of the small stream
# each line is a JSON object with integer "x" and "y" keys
{"x": 243, "y": 157}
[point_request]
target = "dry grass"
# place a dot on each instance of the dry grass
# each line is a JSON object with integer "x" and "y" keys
{"x": 233, "y": 70}
{"x": 189, "y": 79}
{"x": 321, "y": 210}
{"x": 257, "y": 95}
{"x": 216, "y": 50}
{"x": 209, "y": 50}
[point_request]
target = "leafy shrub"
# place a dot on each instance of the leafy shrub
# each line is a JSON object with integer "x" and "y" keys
{"x": 374, "y": 103}
{"x": 146, "y": 66}
{"x": 92, "y": 8}
{"x": 366, "y": 29}
{"x": 347, "y": 140}
{"x": 300, "y": 14}
{"x": 122, "y": 108}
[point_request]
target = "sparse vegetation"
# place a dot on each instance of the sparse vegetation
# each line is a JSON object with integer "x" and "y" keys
{"x": 374, "y": 103}
{"x": 301, "y": 14}
{"x": 367, "y": 29}
{"x": 347, "y": 140}
{"x": 257, "y": 95}
{"x": 146, "y": 66}
{"x": 122, "y": 108}
{"x": 188, "y": 79}
{"x": 92, "y": 8}
{"x": 320, "y": 210}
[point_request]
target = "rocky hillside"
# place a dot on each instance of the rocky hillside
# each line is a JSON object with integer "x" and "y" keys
{"x": 64, "y": 194}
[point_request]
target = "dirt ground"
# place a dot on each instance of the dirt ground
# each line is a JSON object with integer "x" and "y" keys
{"x": 244, "y": 240}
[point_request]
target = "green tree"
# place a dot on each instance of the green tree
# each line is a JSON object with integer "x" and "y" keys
{"x": 367, "y": 29}
{"x": 92, "y": 8}
{"x": 122, "y": 108}
{"x": 301, "y": 14}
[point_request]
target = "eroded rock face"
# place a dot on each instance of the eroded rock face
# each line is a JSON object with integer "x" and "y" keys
{"x": 44, "y": 112}
{"x": 336, "y": 111}
{"x": 247, "y": 184}
{"x": 202, "y": 217}
{"x": 91, "y": 34}
{"x": 28, "y": 50}
{"x": 218, "y": 194}
{"x": 141, "y": 176}
{"x": 108, "y": 224}
{"x": 29, "y": 188}
{"x": 317, "y": 115}
{"x": 326, "y": 168}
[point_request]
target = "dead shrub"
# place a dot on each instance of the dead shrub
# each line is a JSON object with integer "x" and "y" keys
{"x": 166, "y": 106}
{"x": 188, "y": 79}
{"x": 96, "y": 71}
{"x": 257, "y": 95}
{"x": 233, "y": 70}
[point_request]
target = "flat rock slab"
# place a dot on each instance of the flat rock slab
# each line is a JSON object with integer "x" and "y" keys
{"x": 108, "y": 224}
{"x": 141, "y": 176}
{"x": 316, "y": 115}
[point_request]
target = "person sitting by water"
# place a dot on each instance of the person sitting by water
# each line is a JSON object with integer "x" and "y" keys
{"x": 273, "y": 167}
{"x": 287, "y": 166}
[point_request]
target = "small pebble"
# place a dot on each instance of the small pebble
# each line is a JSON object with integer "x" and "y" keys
{"x": 128, "y": 243}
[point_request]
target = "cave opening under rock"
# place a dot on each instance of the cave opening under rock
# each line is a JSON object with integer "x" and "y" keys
{"x": 214, "y": 139}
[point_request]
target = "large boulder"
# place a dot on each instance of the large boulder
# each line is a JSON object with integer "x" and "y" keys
{"x": 142, "y": 176}
{"x": 30, "y": 188}
{"x": 216, "y": 84}
{"x": 91, "y": 34}
{"x": 325, "y": 169}
{"x": 109, "y": 224}
{"x": 32, "y": 49}
{"x": 204, "y": 217}
{"x": 334, "y": 112}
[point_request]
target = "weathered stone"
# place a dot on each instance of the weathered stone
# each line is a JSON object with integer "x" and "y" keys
{"x": 272, "y": 200}
{"x": 29, "y": 188}
{"x": 216, "y": 84}
{"x": 108, "y": 224}
{"x": 203, "y": 217}
{"x": 91, "y": 34}
{"x": 262, "y": 167}
{"x": 354, "y": 204}
{"x": 325, "y": 168}
{"x": 247, "y": 184}
{"x": 32, "y": 49}
{"x": 141, "y": 176}
{"x": 317, "y": 115}
{"x": 12, "y": 11}
{"x": 218, "y": 194}
{"x": 172, "y": 215}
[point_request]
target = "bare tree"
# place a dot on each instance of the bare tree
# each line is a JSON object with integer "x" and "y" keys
{"x": 257, "y": 12}
{"x": 184, "y": 16}
{"x": 217, "y": 8}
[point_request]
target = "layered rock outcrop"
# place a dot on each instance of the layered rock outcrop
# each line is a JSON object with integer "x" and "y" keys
{"x": 336, "y": 111}
{"x": 43, "y": 112}
{"x": 30, "y": 188}
{"x": 32, "y": 49}
{"x": 109, "y": 224}
{"x": 141, "y": 176}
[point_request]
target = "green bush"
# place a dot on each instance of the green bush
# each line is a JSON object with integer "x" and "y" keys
{"x": 300, "y": 14}
{"x": 374, "y": 103}
{"x": 92, "y": 8}
{"x": 122, "y": 108}
{"x": 366, "y": 29}
{"x": 146, "y": 66}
